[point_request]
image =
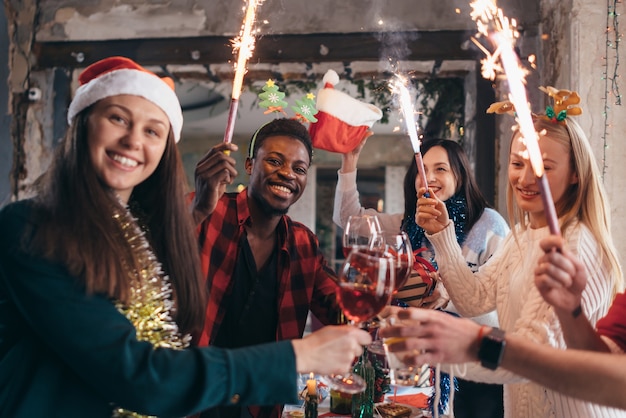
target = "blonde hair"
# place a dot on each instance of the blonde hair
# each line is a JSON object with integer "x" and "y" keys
{"x": 585, "y": 200}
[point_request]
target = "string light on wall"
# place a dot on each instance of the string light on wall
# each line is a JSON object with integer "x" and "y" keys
{"x": 613, "y": 38}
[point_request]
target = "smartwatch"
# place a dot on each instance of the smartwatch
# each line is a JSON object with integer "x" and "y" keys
{"x": 491, "y": 349}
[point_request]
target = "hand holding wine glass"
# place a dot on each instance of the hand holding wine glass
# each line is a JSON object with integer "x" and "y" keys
{"x": 401, "y": 373}
{"x": 366, "y": 283}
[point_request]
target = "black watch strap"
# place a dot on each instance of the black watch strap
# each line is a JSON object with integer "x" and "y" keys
{"x": 491, "y": 349}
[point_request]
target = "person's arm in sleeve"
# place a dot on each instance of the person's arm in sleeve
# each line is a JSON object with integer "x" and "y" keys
{"x": 347, "y": 202}
{"x": 97, "y": 343}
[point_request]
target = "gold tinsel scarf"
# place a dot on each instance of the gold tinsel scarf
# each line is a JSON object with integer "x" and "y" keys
{"x": 151, "y": 305}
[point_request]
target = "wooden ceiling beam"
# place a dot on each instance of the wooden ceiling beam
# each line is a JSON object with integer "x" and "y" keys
{"x": 309, "y": 48}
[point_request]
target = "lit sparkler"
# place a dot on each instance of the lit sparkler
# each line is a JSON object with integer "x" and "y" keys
{"x": 492, "y": 23}
{"x": 243, "y": 45}
{"x": 406, "y": 106}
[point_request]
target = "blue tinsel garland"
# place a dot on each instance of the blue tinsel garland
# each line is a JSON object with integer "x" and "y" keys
{"x": 457, "y": 212}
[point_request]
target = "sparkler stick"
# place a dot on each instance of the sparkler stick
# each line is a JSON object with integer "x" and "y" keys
{"x": 406, "y": 106}
{"x": 244, "y": 44}
{"x": 492, "y": 23}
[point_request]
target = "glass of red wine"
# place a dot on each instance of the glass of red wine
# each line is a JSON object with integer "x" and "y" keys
{"x": 397, "y": 246}
{"x": 366, "y": 283}
{"x": 400, "y": 248}
{"x": 362, "y": 230}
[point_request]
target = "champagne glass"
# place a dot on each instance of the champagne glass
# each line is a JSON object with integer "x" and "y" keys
{"x": 362, "y": 230}
{"x": 366, "y": 283}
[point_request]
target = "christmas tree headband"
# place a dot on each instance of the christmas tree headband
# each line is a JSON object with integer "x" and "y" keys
{"x": 272, "y": 100}
{"x": 338, "y": 121}
{"x": 564, "y": 105}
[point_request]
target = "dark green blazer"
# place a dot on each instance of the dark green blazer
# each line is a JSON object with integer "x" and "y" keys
{"x": 66, "y": 354}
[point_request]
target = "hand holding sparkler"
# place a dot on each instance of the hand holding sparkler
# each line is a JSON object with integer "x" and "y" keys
{"x": 213, "y": 173}
{"x": 431, "y": 213}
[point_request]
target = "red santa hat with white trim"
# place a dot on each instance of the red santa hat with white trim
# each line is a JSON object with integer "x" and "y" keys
{"x": 119, "y": 75}
{"x": 342, "y": 119}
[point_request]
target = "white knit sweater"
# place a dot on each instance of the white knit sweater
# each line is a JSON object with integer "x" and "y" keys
{"x": 506, "y": 283}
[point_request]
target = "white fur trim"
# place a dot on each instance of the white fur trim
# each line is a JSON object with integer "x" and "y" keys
{"x": 331, "y": 77}
{"x": 133, "y": 82}
{"x": 346, "y": 108}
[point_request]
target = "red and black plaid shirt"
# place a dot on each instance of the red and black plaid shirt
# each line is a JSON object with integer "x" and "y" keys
{"x": 305, "y": 279}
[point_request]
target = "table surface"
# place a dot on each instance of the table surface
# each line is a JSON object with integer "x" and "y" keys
{"x": 324, "y": 406}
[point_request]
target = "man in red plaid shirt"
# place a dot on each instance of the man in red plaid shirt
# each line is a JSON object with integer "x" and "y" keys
{"x": 264, "y": 271}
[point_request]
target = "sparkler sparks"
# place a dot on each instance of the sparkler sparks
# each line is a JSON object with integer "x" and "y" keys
{"x": 398, "y": 86}
{"x": 492, "y": 24}
{"x": 243, "y": 45}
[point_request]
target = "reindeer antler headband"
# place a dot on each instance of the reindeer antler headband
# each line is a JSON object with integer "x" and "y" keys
{"x": 564, "y": 105}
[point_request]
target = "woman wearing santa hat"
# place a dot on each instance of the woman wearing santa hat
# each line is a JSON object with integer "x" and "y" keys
{"x": 100, "y": 284}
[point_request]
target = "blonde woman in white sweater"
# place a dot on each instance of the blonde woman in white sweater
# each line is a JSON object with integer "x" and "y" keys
{"x": 506, "y": 281}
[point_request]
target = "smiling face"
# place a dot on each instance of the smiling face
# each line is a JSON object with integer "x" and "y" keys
{"x": 127, "y": 137}
{"x": 278, "y": 173}
{"x": 524, "y": 184}
{"x": 439, "y": 173}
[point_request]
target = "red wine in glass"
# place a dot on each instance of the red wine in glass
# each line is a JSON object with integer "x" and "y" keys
{"x": 361, "y": 302}
{"x": 366, "y": 283}
{"x": 402, "y": 271}
{"x": 399, "y": 246}
{"x": 362, "y": 230}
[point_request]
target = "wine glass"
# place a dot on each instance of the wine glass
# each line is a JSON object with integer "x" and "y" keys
{"x": 366, "y": 283}
{"x": 362, "y": 230}
{"x": 397, "y": 246}
{"x": 400, "y": 373}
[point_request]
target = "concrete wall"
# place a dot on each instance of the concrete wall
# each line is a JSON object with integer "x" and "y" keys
{"x": 6, "y": 145}
{"x": 91, "y": 19}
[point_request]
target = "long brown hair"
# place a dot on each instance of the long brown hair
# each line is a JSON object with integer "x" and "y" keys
{"x": 461, "y": 169}
{"x": 75, "y": 225}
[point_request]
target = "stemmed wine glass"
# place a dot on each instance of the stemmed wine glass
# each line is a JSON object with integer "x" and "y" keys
{"x": 400, "y": 373}
{"x": 366, "y": 283}
{"x": 362, "y": 230}
{"x": 397, "y": 246}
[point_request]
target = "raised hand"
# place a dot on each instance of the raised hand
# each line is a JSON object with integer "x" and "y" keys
{"x": 431, "y": 213}
{"x": 559, "y": 276}
{"x": 213, "y": 173}
{"x": 349, "y": 159}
